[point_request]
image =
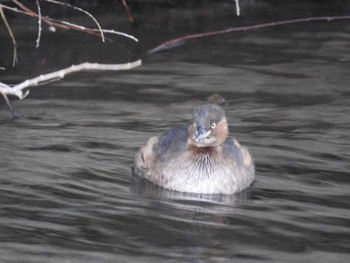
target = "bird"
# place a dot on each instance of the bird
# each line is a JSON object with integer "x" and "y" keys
{"x": 198, "y": 158}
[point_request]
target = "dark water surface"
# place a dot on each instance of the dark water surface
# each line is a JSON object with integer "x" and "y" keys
{"x": 66, "y": 191}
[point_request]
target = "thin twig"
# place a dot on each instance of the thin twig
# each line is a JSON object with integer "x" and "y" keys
{"x": 39, "y": 24}
{"x": 125, "y": 4}
{"x": 180, "y": 40}
{"x": 9, "y": 106}
{"x": 111, "y": 31}
{"x": 14, "y": 43}
{"x": 238, "y": 10}
{"x": 18, "y": 89}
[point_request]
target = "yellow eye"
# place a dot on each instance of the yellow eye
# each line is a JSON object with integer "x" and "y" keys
{"x": 213, "y": 126}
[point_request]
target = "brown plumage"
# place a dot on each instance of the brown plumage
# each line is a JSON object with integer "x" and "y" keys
{"x": 197, "y": 158}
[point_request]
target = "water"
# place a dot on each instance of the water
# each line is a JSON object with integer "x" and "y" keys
{"x": 66, "y": 190}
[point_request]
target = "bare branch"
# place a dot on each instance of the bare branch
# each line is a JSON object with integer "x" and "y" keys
{"x": 83, "y": 11}
{"x": 167, "y": 45}
{"x": 63, "y": 24}
{"x": 14, "y": 43}
{"x": 18, "y": 90}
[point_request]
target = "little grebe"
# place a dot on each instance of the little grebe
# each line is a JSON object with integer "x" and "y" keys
{"x": 197, "y": 158}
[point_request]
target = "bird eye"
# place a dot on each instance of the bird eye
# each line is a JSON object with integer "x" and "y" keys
{"x": 213, "y": 126}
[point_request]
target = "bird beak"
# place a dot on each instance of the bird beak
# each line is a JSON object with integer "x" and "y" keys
{"x": 201, "y": 134}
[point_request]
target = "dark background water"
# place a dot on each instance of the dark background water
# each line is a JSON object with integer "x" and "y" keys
{"x": 66, "y": 190}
